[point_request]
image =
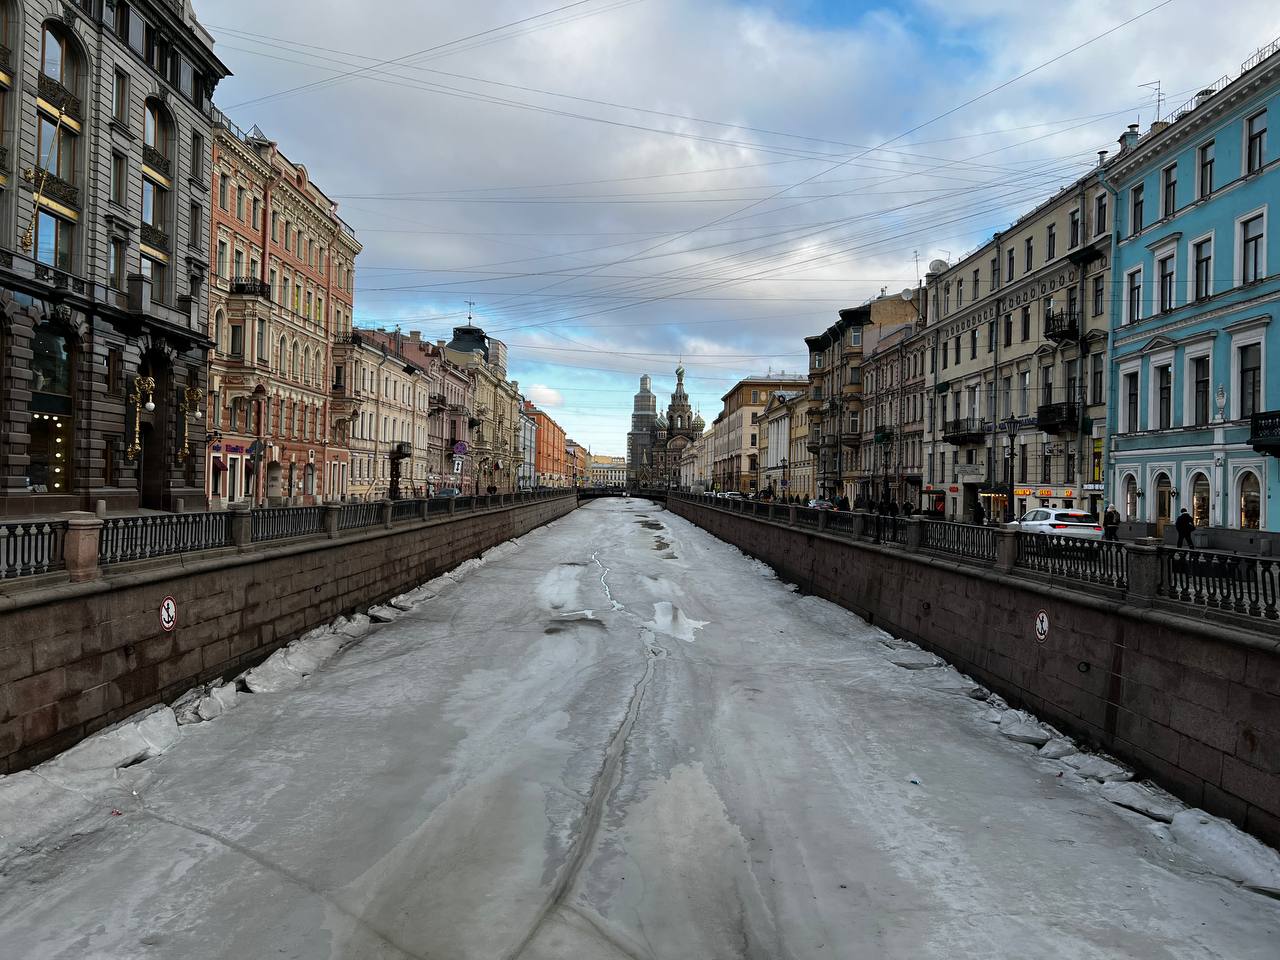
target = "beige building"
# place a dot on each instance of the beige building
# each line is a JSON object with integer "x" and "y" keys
{"x": 785, "y": 465}
{"x": 608, "y": 471}
{"x": 494, "y": 451}
{"x": 695, "y": 464}
{"x": 1016, "y": 342}
{"x": 735, "y": 433}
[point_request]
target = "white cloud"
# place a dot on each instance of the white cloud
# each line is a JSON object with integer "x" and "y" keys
{"x": 545, "y": 396}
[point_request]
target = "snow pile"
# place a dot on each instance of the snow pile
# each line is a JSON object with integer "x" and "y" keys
{"x": 384, "y": 613}
{"x": 287, "y": 667}
{"x": 670, "y": 620}
{"x": 1018, "y": 726}
{"x": 98, "y": 757}
{"x": 1091, "y": 767}
{"x": 1228, "y": 851}
{"x": 948, "y": 679}
{"x": 504, "y": 549}
{"x": 913, "y": 659}
{"x": 1057, "y": 748}
{"x": 1145, "y": 798}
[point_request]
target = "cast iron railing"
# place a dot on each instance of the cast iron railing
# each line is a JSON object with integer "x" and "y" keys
{"x": 959, "y": 539}
{"x": 354, "y": 515}
{"x": 161, "y": 535}
{"x": 405, "y": 510}
{"x": 1223, "y": 581}
{"x": 1102, "y": 562}
{"x": 31, "y": 547}
{"x": 885, "y": 528}
{"x": 280, "y": 523}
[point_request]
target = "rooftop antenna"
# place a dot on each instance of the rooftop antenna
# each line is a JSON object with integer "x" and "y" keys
{"x": 1155, "y": 86}
{"x": 470, "y": 305}
{"x": 916, "y": 254}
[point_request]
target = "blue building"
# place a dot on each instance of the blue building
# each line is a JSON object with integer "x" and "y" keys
{"x": 1194, "y": 403}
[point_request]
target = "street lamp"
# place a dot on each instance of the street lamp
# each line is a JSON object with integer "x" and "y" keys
{"x": 1011, "y": 430}
{"x": 783, "y": 464}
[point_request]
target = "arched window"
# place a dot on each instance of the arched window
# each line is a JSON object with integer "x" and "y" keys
{"x": 52, "y": 426}
{"x": 157, "y": 133}
{"x": 1200, "y": 499}
{"x": 219, "y": 321}
{"x": 1164, "y": 497}
{"x": 1130, "y": 497}
{"x": 1250, "y": 501}
{"x": 56, "y": 147}
{"x": 293, "y": 361}
{"x": 58, "y": 59}
{"x": 282, "y": 356}
{"x": 157, "y": 141}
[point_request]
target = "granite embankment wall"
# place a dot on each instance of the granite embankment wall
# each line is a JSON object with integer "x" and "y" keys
{"x": 75, "y": 657}
{"x": 1192, "y": 704}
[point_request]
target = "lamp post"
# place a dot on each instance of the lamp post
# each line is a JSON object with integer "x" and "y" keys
{"x": 783, "y": 464}
{"x": 1011, "y": 430}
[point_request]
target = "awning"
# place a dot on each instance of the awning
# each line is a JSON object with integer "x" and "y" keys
{"x": 219, "y": 463}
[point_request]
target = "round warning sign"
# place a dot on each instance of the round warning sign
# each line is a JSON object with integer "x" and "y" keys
{"x": 168, "y": 613}
{"x": 1042, "y": 626}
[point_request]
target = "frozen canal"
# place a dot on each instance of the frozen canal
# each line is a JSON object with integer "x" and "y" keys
{"x": 622, "y": 740}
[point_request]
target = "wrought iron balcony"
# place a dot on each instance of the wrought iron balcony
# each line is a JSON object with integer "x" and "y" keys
{"x": 6, "y": 57}
{"x": 154, "y": 159}
{"x": 49, "y": 184}
{"x": 1060, "y": 325}
{"x": 1058, "y": 417}
{"x": 1264, "y": 432}
{"x": 813, "y": 443}
{"x": 964, "y": 430}
{"x": 154, "y": 237}
{"x": 52, "y": 92}
{"x": 883, "y": 435}
{"x": 250, "y": 287}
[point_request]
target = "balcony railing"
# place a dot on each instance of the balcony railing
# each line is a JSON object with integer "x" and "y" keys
{"x": 1060, "y": 325}
{"x": 50, "y": 185}
{"x": 52, "y": 92}
{"x": 6, "y": 56}
{"x": 883, "y": 435}
{"x": 964, "y": 430}
{"x": 1264, "y": 432}
{"x": 154, "y": 159}
{"x": 1058, "y": 417}
{"x": 250, "y": 287}
{"x": 31, "y": 547}
{"x": 154, "y": 237}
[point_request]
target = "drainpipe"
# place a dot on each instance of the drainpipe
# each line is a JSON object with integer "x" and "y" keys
{"x": 1108, "y": 353}
{"x": 995, "y": 379}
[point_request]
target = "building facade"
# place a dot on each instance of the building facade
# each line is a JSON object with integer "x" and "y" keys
{"x": 527, "y": 439}
{"x": 608, "y": 471}
{"x": 1195, "y": 404}
{"x": 550, "y": 466}
{"x": 495, "y": 456}
{"x": 644, "y": 417}
{"x": 776, "y": 468}
{"x": 736, "y": 431}
{"x": 105, "y": 148}
{"x": 282, "y": 274}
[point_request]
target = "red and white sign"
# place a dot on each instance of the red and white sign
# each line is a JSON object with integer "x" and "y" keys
{"x": 168, "y": 614}
{"x": 1042, "y": 626}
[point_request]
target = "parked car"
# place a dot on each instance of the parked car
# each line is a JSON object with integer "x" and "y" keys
{"x": 821, "y": 505}
{"x": 448, "y": 492}
{"x": 733, "y": 495}
{"x": 1062, "y": 523}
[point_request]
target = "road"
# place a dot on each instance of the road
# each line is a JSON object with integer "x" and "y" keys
{"x": 623, "y": 740}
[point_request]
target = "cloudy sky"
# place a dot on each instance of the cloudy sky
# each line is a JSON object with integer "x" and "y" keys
{"x": 620, "y": 185}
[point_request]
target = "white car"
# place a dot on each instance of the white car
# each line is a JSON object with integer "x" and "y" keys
{"x": 1062, "y": 523}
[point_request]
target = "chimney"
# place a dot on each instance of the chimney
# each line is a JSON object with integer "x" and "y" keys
{"x": 1159, "y": 126}
{"x": 1129, "y": 138}
{"x": 1102, "y": 158}
{"x": 415, "y": 336}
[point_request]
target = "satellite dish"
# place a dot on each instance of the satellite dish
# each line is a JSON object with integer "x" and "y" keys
{"x": 908, "y": 293}
{"x": 937, "y": 266}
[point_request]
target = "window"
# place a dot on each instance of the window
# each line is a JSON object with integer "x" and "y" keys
{"x": 53, "y": 237}
{"x": 1136, "y": 204}
{"x": 275, "y": 227}
{"x": 946, "y": 299}
{"x": 56, "y": 60}
{"x": 50, "y": 431}
{"x": 1169, "y": 190}
{"x": 991, "y": 336}
{"x": 120, "y": 96}
{"x": 1095, "y": 377}
{"x": 1098, "y": 294}
{"x": 1255, "y": 131}
{"x": 995, "y": 272}
{"x": 240, "y": 203}
{"x": 154, "y": 201}
{"x": 119, "y": 178}
{"x": 1165, "y": 268}
{"x": 1026, "y": 324}
{"x": 1008, "y": 329}
{"x": 197, "y": 155}
{"x": 1050, "y": 242}
{"x": 1200, "y": 376}
{"x": 237, "y": 340}
{"x": 956, "y": 347}
{"x": 221, "y": 264}
{"x": 973, "y": 344}
{"x": 1164, "y": 400}
{"x": 1205, "y": 163}
{"x": 256, "y": 213}
{"x": 944, "y": 355}
{"x": 1250, "y": 501}
{"x": 238, "y": 260}
{"x": 195, "y": 218}
{"x": 1131, "y": 403}
{"x": 1250, "y": 379}
{"x": 1099, "y": 214}
{"x": 1074, "y": 238}
{"x": 154, "y": 270}
{"x": 976, "y": 286}
{"x": 1046, "y": 465}
{"x": 1028, "y": 253}
{"x": 1024, "y": 392}
{"x": 1202, "y": 252}
{"x": 1253, "y": 265}
{"x": 1133, "y": 296}
{"x": 56, "y": 147}
{"x": 115, "y": 263}
{"x": 222, "y": 190}
{"x": 1046, "y": 385}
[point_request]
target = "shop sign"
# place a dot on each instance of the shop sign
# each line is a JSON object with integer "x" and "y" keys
{"x": 1044, "y": 493}
{"x": 953, "y": 488}
{"x": 1093, "y": 487}
{"x": 1068, "y": 494}
{"x": 1022, "y": 491}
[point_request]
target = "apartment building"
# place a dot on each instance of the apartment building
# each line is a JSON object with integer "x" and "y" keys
{"x": 735, "y": 432}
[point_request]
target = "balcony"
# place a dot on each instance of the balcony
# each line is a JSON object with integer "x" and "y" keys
{"x": 813, "y": 443}
{"x": 250, "y": 287}
{"x": 154, "y": 159}
{"x": 830, "y": 440}
{"x": 54, "y": 93}
{"x": 851, "y": 390}
{"x": 1058, "y": 417}
{"x": 49, "y": 184}
{"x": 1062, "y": 325}
{"x": 154, "y": 237}
{"x": 1264, "y": 432}
{"x": 966, "y": 430}
{"x": 883, "y": 435}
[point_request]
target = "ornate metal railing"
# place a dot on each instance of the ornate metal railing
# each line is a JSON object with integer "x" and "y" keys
{"x": 31, "y": 547}
{"x": 405, "y": 510}
{"x": 841, "y": 522}
{"x": 885, "y": 528}
{"x": 280, "y": 523}
{"x": 154, "y": 237}
{"x": 1074, "y": 558}
{"x": 50, "y": 185}
{"x": 355, "y": 515}
{"x": 1062, "y": 325}
{"x": 154, "y": 159}
{"x": 250, "y": 286}
{"x": 54, "y": 93}
{"x": 806, "y": 517}
{"x": 6, "y": 57}
{"x": 1223, "y": 581}
{"x": 964, "y": 430}
{"x": 161, "y": 535}
{"x": 959, "y": 539}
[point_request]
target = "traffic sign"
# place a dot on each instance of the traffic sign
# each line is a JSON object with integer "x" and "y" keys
{"x": 168, "y": 614}
{"x": 1042, "y": 626}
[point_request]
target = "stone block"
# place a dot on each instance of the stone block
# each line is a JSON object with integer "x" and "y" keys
{"x": 82, "y": 707}
{"x": 215, "y": 654}
{"x": 1201, "y": 760}
{"x": 1250, "y": 784}
{"x": 39, "y": 724}
{"x": 16, "y": 659}
{"x": 1263, "y": 825}
{"x": 37, "y": 690}
{"x": 181, "y": 669}
{"x": 1200, "y": 723}
{"x": 1222, "y": 804}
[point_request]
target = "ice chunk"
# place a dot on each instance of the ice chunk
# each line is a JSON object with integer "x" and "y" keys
{"x": 226, "y": 694}
{"x": 1017, "y": 726}
{"x": 210, "y": 708}
{"x": 1228, "y": 851}
{"x": 272, "y": 675}
{"x": 98, "y": 755}
{"x": 355, "y": 628}
{"x": 1146, "y": 799}
{"x": 383, "y": 614}
{"x": 948, "y": 680}
{"x": 186, "y": 707}
{"x": 1057, "y": 748}
{"x": 913, "y": 659}
{"x": 159, "y": 728}
{"x": 992, "y": 715}
{"x": 1097, "y": 768}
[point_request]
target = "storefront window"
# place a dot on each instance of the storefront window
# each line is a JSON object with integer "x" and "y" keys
{"x": 1130, "y": 498}
{"x": 1250, "y": 501}
{"x": 1200, "y": 500}
{"x": 52, "y": 427}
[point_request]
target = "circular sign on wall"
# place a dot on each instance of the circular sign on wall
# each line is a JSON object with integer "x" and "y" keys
{"x": 1042, "y": 625}
{"x": 168, "y": 614}
{"x": 460, "y": 448}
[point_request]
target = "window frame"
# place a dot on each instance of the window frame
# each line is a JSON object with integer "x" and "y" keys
{"x": 1133, "y": 284}
{"x": 1169, "y": 191}
{"x": 1254, "y": 138}
{"x": 1243, "y": 276}
{"x": 1206, "y": 157}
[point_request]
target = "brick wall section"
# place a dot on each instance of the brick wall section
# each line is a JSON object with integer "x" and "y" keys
{"x": 77, "y": 657}
{"x": 1194, "y": 706}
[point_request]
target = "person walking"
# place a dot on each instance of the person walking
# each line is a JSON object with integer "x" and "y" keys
{"x": 1184, "y": 525}
{"x": 979, "y": 514}
{"x": 1111, "y": 523}
{"x": 843, "y": 503}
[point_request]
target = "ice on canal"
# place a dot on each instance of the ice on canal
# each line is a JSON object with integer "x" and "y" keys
{"x": 616, "y": 738}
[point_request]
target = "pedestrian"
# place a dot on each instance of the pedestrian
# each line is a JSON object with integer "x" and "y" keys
{"x": 906, "y": 509}
{"x": 1111, "y": 523}
{"x": 979, "y": 514}
{"x": 893, "y": 508}
{"x": 842, "y": 503}
{"x": 1184, "y": 525}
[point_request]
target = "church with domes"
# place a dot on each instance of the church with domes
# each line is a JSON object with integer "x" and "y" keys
{"x": 657, "y": 441}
